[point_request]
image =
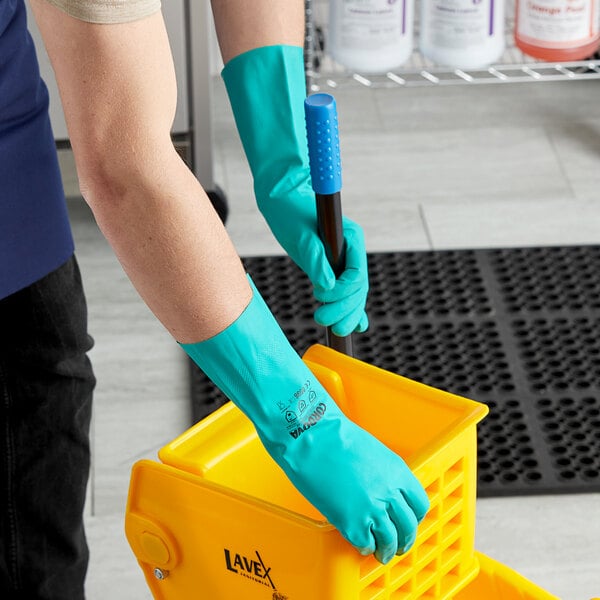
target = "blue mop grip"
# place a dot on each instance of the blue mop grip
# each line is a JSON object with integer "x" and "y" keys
{"x": 323, "y": 143}
{"x": 326, "y": 174}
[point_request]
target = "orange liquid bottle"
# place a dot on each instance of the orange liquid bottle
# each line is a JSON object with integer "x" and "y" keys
{"x": 557, "y": 30}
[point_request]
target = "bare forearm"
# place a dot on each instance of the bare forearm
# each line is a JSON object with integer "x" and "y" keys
{"x": 174, "y": 248}
{"x": 117, "y": 85}
{"x": 242, "y": 25}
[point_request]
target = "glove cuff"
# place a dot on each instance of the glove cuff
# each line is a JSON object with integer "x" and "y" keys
{"x": 255, "y": 366}
{"x": 267, "y": 88}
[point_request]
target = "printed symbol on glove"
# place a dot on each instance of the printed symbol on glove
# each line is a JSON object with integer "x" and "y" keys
{"x": 301, "y": 406}
{"x": 281, "y": 405}
{"x": 290, "y": 416}
{"x": 312, "y": 396}
{"x": 312, "y": 420}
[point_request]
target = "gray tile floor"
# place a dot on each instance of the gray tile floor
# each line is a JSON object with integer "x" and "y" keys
{"x": 424, "y": 168}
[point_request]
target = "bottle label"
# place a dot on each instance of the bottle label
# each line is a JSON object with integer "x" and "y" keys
{"x": 557, "y": 24}
{"x": 460, "y": 23}
{"x": 371, "y": 24}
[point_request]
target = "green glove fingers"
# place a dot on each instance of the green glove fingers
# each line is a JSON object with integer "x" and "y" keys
{"x": 343, "y": 306}
{"x": 363, "y": 324}
{"x": 361, "y": 487}
{"x": 266, "y": 88}
{"x": 352, "y": 307}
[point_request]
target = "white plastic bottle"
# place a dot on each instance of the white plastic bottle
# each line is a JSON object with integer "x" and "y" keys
{"x": 464, "y": 34}
{"x": 371, "y": 36}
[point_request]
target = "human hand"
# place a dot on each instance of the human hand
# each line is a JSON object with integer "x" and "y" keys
{"x": 363, "y": 488}
{"x": 292, "y": 219}
{"x": 359, "y": 485}
{"x": 267, "y": 91}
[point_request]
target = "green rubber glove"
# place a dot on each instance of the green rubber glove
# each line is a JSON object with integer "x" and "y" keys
{"x": 361, "y": 487}
{"x": 266, "y": 88}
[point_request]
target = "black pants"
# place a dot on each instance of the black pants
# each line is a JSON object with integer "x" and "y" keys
{"x": 46, "y": 385}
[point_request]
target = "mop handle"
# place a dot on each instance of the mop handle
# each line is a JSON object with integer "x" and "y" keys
{"x": 326, "y": 175}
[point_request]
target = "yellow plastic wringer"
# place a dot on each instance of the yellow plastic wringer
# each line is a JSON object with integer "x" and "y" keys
{"x": 218, "y": 519}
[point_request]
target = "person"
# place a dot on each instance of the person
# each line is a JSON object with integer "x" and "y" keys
{"x": 115, "y": 74}
{"x": 46, "y": 380}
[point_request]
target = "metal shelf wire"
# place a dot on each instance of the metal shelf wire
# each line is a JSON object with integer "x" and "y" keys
{"x": 323, "y": 73}
{"x": 427, "y": 76}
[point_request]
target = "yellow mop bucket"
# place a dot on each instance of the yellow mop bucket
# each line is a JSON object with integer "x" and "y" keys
{"x": 498, "y": 582}
{"x": 218, "y": 519}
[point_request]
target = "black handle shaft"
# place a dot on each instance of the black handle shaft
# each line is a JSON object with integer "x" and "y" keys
{"x": 326, "y": 176}
{"x": 331, "y": 232}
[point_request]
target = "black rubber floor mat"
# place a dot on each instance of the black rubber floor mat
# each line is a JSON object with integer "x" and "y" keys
{"x": 518, "y": 329}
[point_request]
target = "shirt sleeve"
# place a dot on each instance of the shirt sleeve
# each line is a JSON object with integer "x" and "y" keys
{"x": 108, "y": 11}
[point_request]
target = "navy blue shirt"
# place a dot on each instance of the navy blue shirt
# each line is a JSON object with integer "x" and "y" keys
{"x": 35, "y": 236}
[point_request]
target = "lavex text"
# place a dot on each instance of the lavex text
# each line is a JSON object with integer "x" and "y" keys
{"x": 248, "y": 567}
